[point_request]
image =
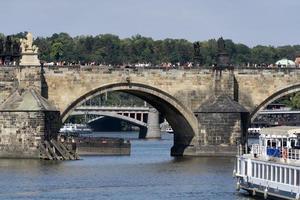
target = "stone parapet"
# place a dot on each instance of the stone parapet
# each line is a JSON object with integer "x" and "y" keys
{"x": 176, "y": 93}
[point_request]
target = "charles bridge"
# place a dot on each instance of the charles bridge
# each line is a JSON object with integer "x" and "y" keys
{"x": 209, "y": 109}
{"x": 194, "y": 102}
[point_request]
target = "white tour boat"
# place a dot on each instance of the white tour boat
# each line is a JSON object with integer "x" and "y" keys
{"x": 75, "y": 129}
{"x": 272, "y": 167}
{"x": 169, "y": 130}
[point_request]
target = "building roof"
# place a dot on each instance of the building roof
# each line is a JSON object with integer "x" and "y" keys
{"x": 26, "y": 100}
{"x": 221, "y": 104}
{"x": 278, "y": 131}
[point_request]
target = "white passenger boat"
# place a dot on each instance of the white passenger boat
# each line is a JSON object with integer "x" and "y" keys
{"x": 272, "y": 167}
{"x": 169, "y": 130}
{"x": 75, "y": 129}
{"x": 253, "y": 132}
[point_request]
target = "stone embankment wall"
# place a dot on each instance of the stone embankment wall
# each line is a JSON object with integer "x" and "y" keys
{"x": 21, "y": 133}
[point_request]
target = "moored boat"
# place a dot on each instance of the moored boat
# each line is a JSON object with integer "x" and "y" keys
{"x": 169, "y": 130}
{"x": 272, "y": 167}
{"x": 102, "y": 146}
{"x": 75, "y": 129}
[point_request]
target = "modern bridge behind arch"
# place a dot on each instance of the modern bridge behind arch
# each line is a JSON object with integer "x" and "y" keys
{"x": 147, "y": 119}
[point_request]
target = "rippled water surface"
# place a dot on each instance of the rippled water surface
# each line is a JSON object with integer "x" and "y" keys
{"x": 149, "y": 173}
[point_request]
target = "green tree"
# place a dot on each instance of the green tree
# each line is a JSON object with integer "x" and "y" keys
{"x": 56, "y": 51}
{"x": 263, "y": 55}
{"x": 295, "y": 101}
{"x": 44, "y": 48}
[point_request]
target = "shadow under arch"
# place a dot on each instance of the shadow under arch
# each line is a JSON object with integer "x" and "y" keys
{"x": 276, "y": 95}
{"x": 180, "y": 118}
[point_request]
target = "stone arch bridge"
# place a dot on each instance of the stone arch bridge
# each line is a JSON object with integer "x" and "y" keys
{"x": 182, "y": 96}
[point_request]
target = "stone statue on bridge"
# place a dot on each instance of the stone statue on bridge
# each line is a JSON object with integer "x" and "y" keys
{"x": 197, "y": 53}
{"x": 221, "y": 45}
{"x": 27, "y": 44}
{"x": 223, "y": 57}
{"x": 29, "y": 52}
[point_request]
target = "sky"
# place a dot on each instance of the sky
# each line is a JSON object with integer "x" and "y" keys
{"x": 252, "y": 22}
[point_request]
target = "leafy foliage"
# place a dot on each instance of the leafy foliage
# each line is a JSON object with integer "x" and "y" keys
{"x": 111, "y": 50}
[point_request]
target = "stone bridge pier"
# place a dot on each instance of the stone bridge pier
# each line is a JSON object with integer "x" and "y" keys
{"x": 152, "y": 131}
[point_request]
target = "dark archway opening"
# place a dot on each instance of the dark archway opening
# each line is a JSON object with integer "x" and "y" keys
{"x": 181, "y": 119}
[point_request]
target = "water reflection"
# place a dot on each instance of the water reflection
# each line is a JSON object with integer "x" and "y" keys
{"x": 149, "y": 173}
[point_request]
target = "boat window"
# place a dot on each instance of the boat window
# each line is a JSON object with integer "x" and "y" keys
{"x": 278, "y": 174}
{"x": 265, "y": 172}
{"x": 273, "y": 143}
{"x": 256, "y": 174}
{"x": 282, "y": 174}
{"x": 298, "y": 142}
{"x": 297, "y": 177}
{"x": 274, "y": 175}
{"x": 269, "y": 172}
{"x": 260, "y": 171}
{"x": 268, "y": 143}
{"x": 253, "y": 165}
{"x": 284, "y": 142}
{"x": 246, "y": 168}
{"x": 293, "y": 143}
{"x": 292, "y": 177}
{"x": 287, "y": 175}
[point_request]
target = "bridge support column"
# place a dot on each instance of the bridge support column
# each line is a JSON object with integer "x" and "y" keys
{"x": 153, "y": 130}
{"x": 143, "y": 132}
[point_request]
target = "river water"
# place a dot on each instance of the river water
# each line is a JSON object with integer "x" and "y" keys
{"x": 149, "y": 173}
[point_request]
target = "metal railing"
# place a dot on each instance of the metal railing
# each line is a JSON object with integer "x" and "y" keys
{"x": 257, "y": 150}
{"x": 284, "y": 153}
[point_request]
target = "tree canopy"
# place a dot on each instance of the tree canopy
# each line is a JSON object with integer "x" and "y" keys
{"x": 111, "y": 50}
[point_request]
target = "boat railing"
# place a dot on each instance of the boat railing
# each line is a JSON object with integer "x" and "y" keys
{"x": 257, "y": 150}
{"x": 284, "y": 153}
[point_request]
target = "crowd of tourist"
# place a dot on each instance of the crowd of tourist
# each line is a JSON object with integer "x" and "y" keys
{"x": 266, "y": 120}
{"x": 166, "y": 65}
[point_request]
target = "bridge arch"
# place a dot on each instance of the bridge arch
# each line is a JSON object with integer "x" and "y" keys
{"x": 276, "y": 95}
{"x": 181, "y": 118}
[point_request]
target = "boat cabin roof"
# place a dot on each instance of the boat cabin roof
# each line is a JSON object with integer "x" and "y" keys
{"x": 280, "y": 132}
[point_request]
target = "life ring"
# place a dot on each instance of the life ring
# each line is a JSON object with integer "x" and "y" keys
{"x": 284, "y": 153}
